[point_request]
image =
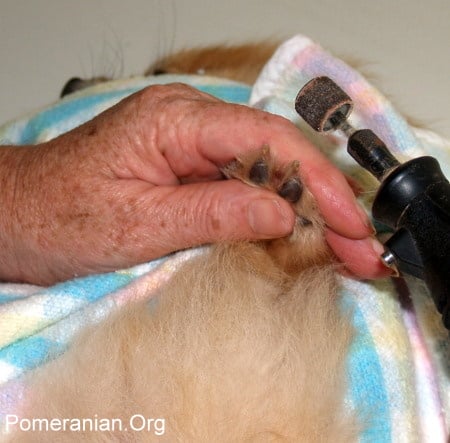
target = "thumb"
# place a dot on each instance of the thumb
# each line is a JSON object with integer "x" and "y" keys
{"x": 198, "y": 213}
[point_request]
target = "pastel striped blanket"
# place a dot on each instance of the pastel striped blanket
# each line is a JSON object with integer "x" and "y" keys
{"x": 399, "y": 365}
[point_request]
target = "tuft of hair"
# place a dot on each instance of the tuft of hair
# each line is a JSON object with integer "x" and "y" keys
{"x": 228, "y": 352}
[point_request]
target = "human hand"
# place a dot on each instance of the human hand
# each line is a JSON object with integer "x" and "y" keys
{"x": 142, "y": 180}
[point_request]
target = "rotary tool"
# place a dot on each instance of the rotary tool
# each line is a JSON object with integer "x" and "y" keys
{"x": 413, "y": 198}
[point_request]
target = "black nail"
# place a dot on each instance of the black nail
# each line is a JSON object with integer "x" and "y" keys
{"x": 259, "y": 172}
{"x": 291, "y": 190}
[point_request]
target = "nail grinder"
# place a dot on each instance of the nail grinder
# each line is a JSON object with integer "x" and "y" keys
{"x": 413, "y": 198}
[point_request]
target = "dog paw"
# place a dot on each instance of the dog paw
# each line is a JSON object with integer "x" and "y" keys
{"x": 305, "y": 246}
{"x": 258, "y": 168}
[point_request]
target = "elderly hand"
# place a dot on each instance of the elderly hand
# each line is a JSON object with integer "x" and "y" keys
{"x": 142, "y": 180}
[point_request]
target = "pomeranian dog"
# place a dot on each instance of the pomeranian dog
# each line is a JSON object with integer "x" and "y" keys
{"x": 246, "y": 343}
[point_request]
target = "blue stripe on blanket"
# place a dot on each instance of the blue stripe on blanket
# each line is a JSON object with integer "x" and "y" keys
{"x": 60, "y": 301}
{"x": 92, "y": 287}
{"x": 84, "y": 108}
{"x": 230, "y": 93}
{"x": 368, "y": 394}
{"x": 6, "y": 298}
{"x": 29, "y": 353}
{"x": 66, "y": 110}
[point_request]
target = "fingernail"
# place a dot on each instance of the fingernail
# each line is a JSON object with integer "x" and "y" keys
{"x": 377, "y": 246}
{"x": 379, "y": 250}
{"x": 364, "y": 217}
{"x": 267, "y": 218}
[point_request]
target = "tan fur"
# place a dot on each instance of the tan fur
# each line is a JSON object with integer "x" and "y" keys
{"x": 237, "y": 62}
{"x": 240, "y": 346}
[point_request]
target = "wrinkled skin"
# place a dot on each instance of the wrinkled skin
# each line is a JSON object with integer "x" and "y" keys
{"x": 143, "y": 179}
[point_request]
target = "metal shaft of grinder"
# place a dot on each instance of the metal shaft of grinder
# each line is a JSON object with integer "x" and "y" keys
{"x": 326, "y": 107}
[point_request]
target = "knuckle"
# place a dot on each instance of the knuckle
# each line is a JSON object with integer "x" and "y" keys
{"x": 206, "y": 216}
{"x": 212, "y": 223}
{"x": 167, "y": 92}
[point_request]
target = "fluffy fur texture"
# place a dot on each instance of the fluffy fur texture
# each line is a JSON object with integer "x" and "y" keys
{"x": 246, "y": 343}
